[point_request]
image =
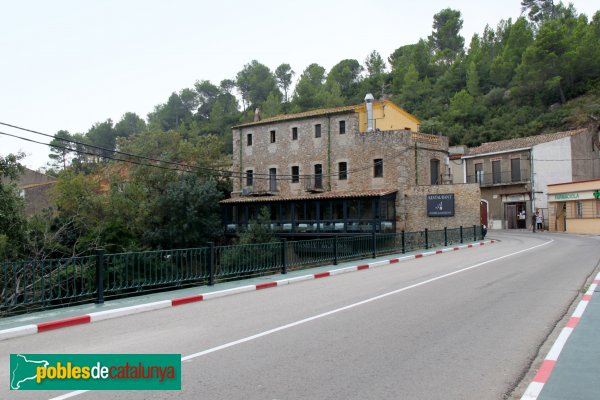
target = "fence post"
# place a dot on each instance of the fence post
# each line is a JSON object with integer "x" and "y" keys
{"x": 100, "y": 276}
{"x": 374, "y": 244}
{"x": 403, "y": 243}
{"x": 461, "y": 235}
{"x": 284, "y": 256}
{"x": 335, "y": 250}
{"x": 445, "y": 236}
{"x": 426, "y": 238}
{"x": 211, "y": 263}
{"x": 474, "y": 232}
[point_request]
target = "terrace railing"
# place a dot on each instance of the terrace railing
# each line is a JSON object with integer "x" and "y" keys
{"x": 39, "y": 284}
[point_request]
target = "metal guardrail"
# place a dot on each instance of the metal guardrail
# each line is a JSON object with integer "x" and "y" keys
{"x": 37, "y": 284}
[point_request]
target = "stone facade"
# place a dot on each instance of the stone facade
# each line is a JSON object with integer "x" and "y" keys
{"x": 411, "y": 162}
{"x": 466, "y": 206}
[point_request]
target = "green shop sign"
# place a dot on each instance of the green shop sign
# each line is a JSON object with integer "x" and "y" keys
{"x": 597, "y": 194}
{"x": 566, "y": 196}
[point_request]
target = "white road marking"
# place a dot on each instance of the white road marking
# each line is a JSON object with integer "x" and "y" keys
{"x": 335, "y": 311}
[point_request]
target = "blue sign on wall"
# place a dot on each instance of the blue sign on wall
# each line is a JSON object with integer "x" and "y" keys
{"x": 440, "y": 205}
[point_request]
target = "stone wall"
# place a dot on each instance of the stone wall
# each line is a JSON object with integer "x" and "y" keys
{"x": 466, "y": 207}
{"x": 406, "y": 155}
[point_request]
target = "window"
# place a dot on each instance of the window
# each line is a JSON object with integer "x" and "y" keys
{"x": 249, "y": 139}
{"x": 406, "y": 128}
{"x": 343, "y": 171}
{"x": 496, "y": 174}
{"x": 318, "y": 130}
{"x": 515, "y": 169}
{"x": 272, "y": 136}
{"x": 434, "y": 167}
{"x": 295, "y": 174}
{"x": 479, "y": 172}
{"x": 579, "y": 209}
{"x": 318, "y": 176}
{"x": 342, "y": 127}
{"x": 272, "y": 179}
{"x": 249, "y": 177}
{"x": 294, "y": 133}
{"x": 378, "y": 168}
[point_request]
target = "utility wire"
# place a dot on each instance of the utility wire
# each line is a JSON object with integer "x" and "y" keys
{"x": 95, "y": 154}
{"x": 257, "y": 176}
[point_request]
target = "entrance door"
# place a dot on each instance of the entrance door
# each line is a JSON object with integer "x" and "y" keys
{"x": 511, "y": 216}
{"x": 483, "y": 217}
{"x": 560, "y": 217}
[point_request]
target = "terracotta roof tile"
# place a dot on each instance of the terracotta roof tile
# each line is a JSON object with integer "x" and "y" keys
{"x": 306, "y": 114}
{"x": 318, "y": 196}
{"x": 520, "y": 143}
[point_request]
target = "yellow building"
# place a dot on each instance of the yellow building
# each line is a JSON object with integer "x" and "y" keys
{"x": 574, "y": 207}
{"x": 387, "y": 116}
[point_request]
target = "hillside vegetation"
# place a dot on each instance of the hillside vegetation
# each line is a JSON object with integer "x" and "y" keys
{"x": 536, "y": 74}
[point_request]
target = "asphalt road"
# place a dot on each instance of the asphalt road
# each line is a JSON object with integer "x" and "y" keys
{"x": 462, "y": 325}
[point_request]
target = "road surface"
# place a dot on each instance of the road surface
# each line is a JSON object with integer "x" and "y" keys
{"x": 461, "y": 325}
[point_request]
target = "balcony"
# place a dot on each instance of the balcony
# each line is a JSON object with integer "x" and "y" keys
{"x": 500, "y": 178}
{"x": 261, "y": 187}
{"x": 314, "y": 183}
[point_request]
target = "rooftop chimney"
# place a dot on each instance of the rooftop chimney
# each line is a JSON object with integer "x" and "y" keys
{"x": 369, "y": 103}
{"x": 257, "y": 114}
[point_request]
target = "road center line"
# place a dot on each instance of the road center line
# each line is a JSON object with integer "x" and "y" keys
{"x": 325, "y": 314}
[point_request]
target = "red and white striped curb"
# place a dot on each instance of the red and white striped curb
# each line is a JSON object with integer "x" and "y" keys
{"x": 535, "y": 387}
{"x": 119, "y": 312}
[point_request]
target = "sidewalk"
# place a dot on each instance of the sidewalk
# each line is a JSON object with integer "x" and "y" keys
{"x": 571, "y": 370}
{"x": 62, "y": 317}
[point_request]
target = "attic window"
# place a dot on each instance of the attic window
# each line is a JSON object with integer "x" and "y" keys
{"x": 272, "y": 136}
{"x": 318, "y": 130}
{"x": 249, "y": 139}
{"x": 294, "y": 133}
{"x": 342, "y": 127}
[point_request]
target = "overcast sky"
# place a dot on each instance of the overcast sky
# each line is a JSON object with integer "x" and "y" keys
{"x": 70, "y": 64}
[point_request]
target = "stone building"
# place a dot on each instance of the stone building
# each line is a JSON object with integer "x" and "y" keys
{"x": 514, "y": 174}
{"x": 35, "y": 188}
{"x": 345, "y": 170}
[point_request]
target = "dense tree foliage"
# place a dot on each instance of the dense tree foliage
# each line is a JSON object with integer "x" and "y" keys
{"x": 537, "y": 73}
{"x": 13, "y": 225}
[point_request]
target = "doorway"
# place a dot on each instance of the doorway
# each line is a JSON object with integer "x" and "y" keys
{"x": 561, "y": 214}
{"x": 515, "y": 215}
{"x": 483, "y": 213}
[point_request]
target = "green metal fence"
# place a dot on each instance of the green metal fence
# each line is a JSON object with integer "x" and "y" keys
{"x": 32, "y": 285}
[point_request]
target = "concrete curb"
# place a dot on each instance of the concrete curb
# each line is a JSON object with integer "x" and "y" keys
{"x": 535, "y": 387}
{"x": 120, "y": 312}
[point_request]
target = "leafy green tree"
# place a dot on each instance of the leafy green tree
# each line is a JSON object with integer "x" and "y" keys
{"x": 272, "y": 106}
{"x": 13, "y": 224}
{"x": 130, "y": 124}
{"x": 310, "y": 84}
{"x": 186, "y": 214}
{"x": 375, "y": 80}
{"x": 259, "y": 229}
{"x": 60, "y": 148}
{"x": 347, "y": 75}
{"x": 207, "y": 96}
{"x": 538, "y": 11}
{"x": 472, "y": 80}
{"x": 255, "y": 81}
{"x": 283, "y": 76}
{"x": 445, "y": 38}
{"x": 170, "y": 115}
{"x": 103, "y": 134}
